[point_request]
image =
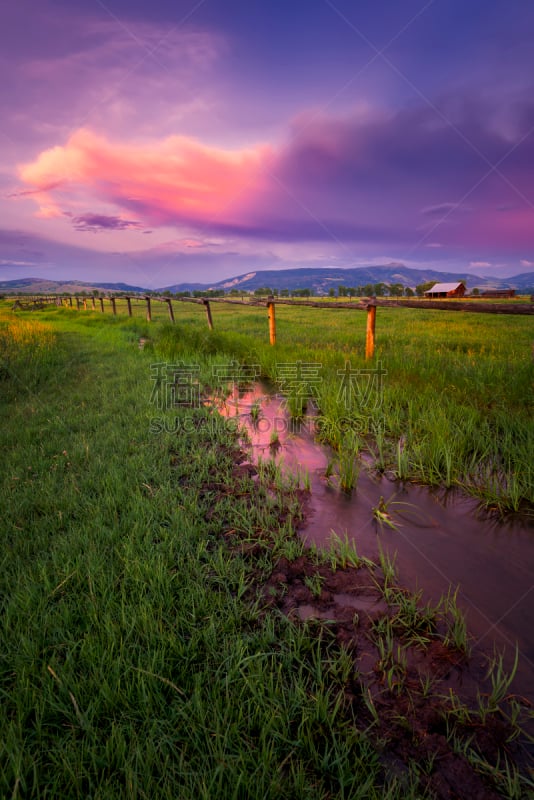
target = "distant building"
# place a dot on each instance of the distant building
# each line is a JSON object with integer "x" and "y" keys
{"x": 498, "y": 293}
{"x": 446, "y": 290}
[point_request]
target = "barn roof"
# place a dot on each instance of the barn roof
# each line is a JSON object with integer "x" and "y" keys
{"x": 444, "y": 287}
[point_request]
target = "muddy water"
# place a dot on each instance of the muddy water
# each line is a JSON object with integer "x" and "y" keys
{"x": 439, "y": 539}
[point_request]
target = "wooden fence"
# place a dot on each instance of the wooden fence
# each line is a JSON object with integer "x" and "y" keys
{"x": 362, "y": 304}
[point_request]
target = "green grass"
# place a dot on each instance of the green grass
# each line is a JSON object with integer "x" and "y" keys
{"x": 455, "y": 407}
{"x": 134, "y": 660}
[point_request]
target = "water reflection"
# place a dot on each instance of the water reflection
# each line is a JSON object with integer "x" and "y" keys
{"x": 439, "y": 537}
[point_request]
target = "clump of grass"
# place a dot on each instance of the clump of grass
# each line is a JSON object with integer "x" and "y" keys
{"x": 382, "y": 515}
{"x": 343, "y": 553}
{"x": 315, "y": 584}
{"x": 501, "y": 680}
{"x": 255, "y": 412}
{"x": 456, "y": 634}
{"x": 349, "y": 463}
{"x": 296, "y": 404}
{"x": 274, "y": 440}
{"x": 330, "y": 469}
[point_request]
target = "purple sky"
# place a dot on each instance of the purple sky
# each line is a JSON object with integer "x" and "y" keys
{"x": 176, "y": 140}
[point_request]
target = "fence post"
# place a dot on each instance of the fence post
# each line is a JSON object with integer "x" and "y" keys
{"x": 70, "y": 301}
{"x": 93, "y": 302}
{"x": 208, "y": 313}
{"x": 370, "y": 337}
{"x": 101, "y": 304}
{"x": 148, "y": 310}
{"x": 84, "y": 304}
{"x": 77, "y": 303}
{"x": 272, "y": 320}
{"x": 129, "y": 306}
{"x": 171, "y": 312}
{"x": 113, "y": 306}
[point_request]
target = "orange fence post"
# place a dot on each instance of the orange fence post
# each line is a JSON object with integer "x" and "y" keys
{"x": 272, "y": 322}
{"x": 371, "y": 325}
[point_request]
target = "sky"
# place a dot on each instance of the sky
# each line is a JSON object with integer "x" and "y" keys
{"x": 175, "y": 141}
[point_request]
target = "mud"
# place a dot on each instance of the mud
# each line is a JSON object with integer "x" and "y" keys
{"x": 408, "y": 724}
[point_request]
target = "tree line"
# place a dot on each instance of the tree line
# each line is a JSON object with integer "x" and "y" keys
{"x": 379, "y": 289}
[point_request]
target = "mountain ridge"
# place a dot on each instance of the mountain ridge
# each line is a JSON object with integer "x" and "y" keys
{"x": 320, "y": 279}
{"x": 317, "y": 279}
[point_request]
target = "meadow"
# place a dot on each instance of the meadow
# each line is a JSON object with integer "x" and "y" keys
{"x": 454, "y": 407}
{"x": 143, "y": 651}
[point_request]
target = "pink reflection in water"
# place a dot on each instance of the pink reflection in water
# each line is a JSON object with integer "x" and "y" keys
{"x": 440, "y": 539}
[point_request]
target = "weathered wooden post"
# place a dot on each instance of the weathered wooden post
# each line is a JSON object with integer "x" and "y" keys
{"x": 148, "y": 309}
{"x": 171, "y": 312}
{"x": 77, "y": 304}
{"x": 84, "y": 304}
{"x": 70, "y": 301}
{"x": 102, "y": 304}
{"x": 208, "y": 313}
{"x": 370, "y": 337}
{"x": 93, "y": 302}
{"x": 272, "y": 320}
{"x": 113, "y": 306}
{"x": 129, "y": 306}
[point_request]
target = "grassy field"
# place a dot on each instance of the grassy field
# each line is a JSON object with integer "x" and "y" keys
{"x": 140, "y": 655}
{"x": 455, "y": 405}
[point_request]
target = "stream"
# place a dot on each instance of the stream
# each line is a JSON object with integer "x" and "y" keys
{"x": 440, "y": 539}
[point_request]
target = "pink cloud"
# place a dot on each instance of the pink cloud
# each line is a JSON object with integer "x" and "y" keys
{"x": 353, "y": 180}
{"x": 192, "y": 243}
{"x": 174, "y": 180}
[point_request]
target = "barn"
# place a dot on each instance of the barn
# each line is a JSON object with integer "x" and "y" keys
{"x": 446, "y": 290}
{"x": 498, "y": 293}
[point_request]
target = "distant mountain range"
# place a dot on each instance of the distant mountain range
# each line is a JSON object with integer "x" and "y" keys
{"x": 319, "y": 280}
{"x": 45, "y": 286}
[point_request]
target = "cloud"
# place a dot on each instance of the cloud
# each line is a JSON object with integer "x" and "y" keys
{"x": 343, "y": 180}
{"x": 525, "y": 263}
{"x": 176, "y": 180}
{"x": 194, "y": 244}
{"x": 137, "y": 75}
{"x": 479, "y": 264}
{"x": 99, "y": 222}
{"x": 29, "y": 192}
{"x": 439, "y": 210}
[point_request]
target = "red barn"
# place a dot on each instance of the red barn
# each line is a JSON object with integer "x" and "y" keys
{"x": 447, "y": 290}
